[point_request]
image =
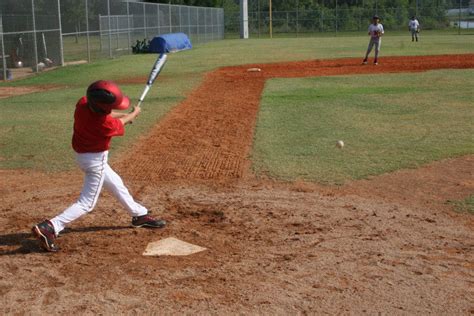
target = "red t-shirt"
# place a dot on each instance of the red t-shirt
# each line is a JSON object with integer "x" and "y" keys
{"x": 93, "y": 131}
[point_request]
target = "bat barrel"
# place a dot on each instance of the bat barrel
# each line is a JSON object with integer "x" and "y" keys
{"x": 157, "y": 67}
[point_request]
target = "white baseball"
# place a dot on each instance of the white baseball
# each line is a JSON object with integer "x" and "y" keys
{"x": 340, "y": 144}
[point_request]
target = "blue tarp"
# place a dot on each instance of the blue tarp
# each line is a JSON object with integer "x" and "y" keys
{"x": 168, "y": 43}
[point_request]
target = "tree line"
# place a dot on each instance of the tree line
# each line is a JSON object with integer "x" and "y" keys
{"x": 285, "y": 5}
{"x": 347, "y": 14}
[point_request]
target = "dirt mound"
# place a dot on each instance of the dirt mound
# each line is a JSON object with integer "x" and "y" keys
{"x": 270, "y": 250}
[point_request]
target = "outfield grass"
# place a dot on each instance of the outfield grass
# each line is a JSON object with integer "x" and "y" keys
{"x": 387, "y": 122}
{"x": 35, "y": 129}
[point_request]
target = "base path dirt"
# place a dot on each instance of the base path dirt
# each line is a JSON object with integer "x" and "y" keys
{"x": 210, "y": 134}
{"x": 388, "y": 245}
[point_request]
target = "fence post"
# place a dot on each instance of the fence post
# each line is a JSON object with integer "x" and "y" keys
{"x": 110, "y": 28}
{"x": 158, "y": 18}
{"x": 336, "y": 17}
{"x": 116, "y": 31}
{"x": 459, "y": 19}
{"x": 214, "y": 22}
{"x": 197, "y": 24}
{"x": 61, "y": 47}
{"x": 297, "y": 17}
{"x": 87, "y": 33}
{"x": 35, "y": 44}
{"x": 169, "y": 10}
{"x": 189, "y": 22}
{"x": 179, "y": 13}
{"x": 144, "y": 21}
{"x": 244, "y": 19}
{"x": 258, "y": 17}
{"x": 4, "y": 59}
{"x": 128, "y": 27}
{"x": 271, "y": 18}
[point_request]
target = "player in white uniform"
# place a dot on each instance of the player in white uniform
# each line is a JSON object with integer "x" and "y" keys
{"x": 375, "y": 32}
{"x": 414, "y": 28}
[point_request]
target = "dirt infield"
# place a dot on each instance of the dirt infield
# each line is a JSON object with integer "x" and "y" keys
{"x": 386, "y": 245}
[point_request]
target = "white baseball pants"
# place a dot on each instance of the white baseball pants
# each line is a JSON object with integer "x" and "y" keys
{"x": 374, "y": 41}
{"x": 98, "y": 173}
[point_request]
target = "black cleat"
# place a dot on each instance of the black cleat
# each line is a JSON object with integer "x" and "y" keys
{"x": 44, "y": 232}
{"x": 147, "y": 221}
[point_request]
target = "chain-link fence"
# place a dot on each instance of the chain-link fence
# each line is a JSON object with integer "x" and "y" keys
{"x": 349, "y": 19}
{"x": 38, "y": 34}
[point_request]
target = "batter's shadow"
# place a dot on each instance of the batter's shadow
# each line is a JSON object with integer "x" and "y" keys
{"x": 28, "y": 244}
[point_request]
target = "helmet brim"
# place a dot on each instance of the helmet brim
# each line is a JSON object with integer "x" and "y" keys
{"x": 124, "y": 104}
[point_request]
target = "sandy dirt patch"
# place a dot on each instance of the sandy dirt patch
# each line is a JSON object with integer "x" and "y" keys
{"x": 6, "y": 92}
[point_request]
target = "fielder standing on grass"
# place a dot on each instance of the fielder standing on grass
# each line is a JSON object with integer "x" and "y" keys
{"x": 414, "y": 28}
{"x": 375, "y": 32}
{"x": 94, "y": 125}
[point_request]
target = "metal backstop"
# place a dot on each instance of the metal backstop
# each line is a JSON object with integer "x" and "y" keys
{"x": 37, "y": 34}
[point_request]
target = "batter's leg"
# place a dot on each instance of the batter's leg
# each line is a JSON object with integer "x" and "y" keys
{"x": 115, "y": 185}
{"x": 93, "y": 166}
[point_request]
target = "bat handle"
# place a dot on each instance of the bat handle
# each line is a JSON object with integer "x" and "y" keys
{"x": 145, "y": 92}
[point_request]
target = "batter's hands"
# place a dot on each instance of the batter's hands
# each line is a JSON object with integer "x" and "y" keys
{"x": 128, "y": 119}
{"x": 136, "y": 110}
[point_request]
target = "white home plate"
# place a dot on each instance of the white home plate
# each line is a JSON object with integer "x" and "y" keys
{"x": 171, "y": 247}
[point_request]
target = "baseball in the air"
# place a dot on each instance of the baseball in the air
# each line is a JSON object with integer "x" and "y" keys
{"x": 340, "y": 144}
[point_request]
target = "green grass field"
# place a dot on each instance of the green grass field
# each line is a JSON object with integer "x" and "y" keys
{"x": 466, "y": 205}
{"x": 387, "y": 122}
{"x": 35, "y": 129}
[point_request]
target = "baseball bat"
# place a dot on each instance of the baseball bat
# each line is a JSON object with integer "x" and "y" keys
{"x": 155, "y": 71}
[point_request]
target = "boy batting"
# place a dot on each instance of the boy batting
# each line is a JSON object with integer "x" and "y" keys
{"x": 95, "y": 123}
{"x": 375, "y": 32}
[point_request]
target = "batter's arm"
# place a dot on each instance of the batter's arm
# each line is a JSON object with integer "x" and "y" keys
{"x": 129, "y": 117}
{"x": 117, "y": 114}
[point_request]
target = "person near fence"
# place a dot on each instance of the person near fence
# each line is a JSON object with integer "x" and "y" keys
{"x": 376, "y": 32}
{"x": 414, "y": 28}
{"x": 95, "y": 123}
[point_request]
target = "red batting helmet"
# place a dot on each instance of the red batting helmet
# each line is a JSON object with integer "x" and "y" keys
{"x": 106, "y": 96}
